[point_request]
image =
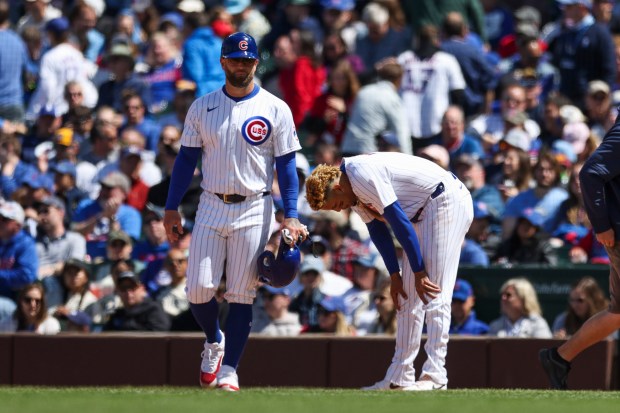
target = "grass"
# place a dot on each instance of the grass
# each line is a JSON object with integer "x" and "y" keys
{"x": 298, "y": 400}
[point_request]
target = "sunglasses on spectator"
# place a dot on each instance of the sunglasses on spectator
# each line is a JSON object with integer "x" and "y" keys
{"x": 28, "y": 300}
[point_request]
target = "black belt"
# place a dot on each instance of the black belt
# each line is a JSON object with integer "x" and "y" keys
{"x": 236, "y": 198}
{"x": 438, "y": 191}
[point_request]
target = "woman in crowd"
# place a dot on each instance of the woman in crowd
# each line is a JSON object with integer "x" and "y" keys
{"x": 31, "y": 313}
{"x": 385, "y": 322}
{"x": 586, "y": 298}
{"x": 521, "y": 313}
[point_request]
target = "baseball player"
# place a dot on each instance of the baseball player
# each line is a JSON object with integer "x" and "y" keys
{"x": 430, "y": 211}
{"x": 239, "y": 130}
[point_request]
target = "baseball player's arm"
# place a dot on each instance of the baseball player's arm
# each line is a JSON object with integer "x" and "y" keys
{"x": 403, "y": 229}
{"x": 182, "y": 173}
{"x": 289, "y": 188}
{"x": 380, "y": 236}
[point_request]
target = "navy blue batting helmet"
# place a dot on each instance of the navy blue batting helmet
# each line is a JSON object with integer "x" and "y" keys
{"x": 279, "y": 271}
{"x": 239, "y": 45}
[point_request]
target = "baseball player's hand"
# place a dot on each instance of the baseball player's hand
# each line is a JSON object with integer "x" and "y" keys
{"x": 425, "y": 287}
{"x": 173, "y": 225}
{"x": 297, "y": 230}
{"x": 607, "y": 238}
{"x": 396, "y": 289}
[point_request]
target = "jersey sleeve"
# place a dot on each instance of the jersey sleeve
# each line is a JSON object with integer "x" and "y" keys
{"x": 372, "y": 185}
{"x": 455, "y": 75}
{"x": 285, "y": 139}
{"x": 191, "y": 129}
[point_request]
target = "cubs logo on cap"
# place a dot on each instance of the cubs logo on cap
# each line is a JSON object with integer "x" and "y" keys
{"x": 239, "y": 46}
{"x": 256, "y": 130}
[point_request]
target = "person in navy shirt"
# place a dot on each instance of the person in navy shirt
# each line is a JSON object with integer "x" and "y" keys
{"x": 464, "y": 319}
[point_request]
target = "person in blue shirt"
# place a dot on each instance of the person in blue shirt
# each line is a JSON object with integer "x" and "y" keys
{"x": 18, "y": 256}
{"x": 464, "y": 319}
{"x": 134, "y": 110}
{"x": 12, "y": 66}
{"x": 96, "y": 218}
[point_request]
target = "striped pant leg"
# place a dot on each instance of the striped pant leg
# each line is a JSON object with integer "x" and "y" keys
{"x": 442, "y": 239}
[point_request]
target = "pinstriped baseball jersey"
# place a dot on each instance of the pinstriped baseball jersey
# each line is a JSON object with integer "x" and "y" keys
{"x": 240, "y": 139}
{"x": 380, "y": 178}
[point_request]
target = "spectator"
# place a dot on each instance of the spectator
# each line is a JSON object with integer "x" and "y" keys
{"x": 378, "y": 108}
{"x": 55, "y": 245}
{"x": 589, "y": 250}
{"x": 18, "y": 255}
{"x": 31, "y": 313}
{"x": 332, "y": 319}
{"x": 573, "y": 222}
{"x": 104, "y": 146}
{"x": 464, "y": 319}
{"x": 94, "y": 219}
{"x": 338, "y": 17}
{"x": 368, "y": 273}
{"x": 432, "y": 80}
{"x": 436, "y": 154}
{"x": 498, "y": 21}
{"x": 481, "y": 232}
{"x": 385, "y": 315}
{"x": 14, "y": 170}
{"x": 478, "y": 73}
{"x": 521, "y": 314}
{"x": 33, "y": 39}
{"x": 83, "y": 18}
{"x": 248, "y": 19}
{"x": 139, "y": 311}
{"x": 38, "y": 13}
{"x": 491, "y": 128}
{"x": 155, "y": 245}
{"x": 183, "y": 98}
{"x": 552, "y": 121}
{"x": 45, "y": 127}
{"x": 164, "y": 71}
{"x": 70, "y": 292}
{"x": 512, "y": 162}
{"x": 201, "y": 55}
{"x": 585, "y": 299}
{"x": 379, "y": 40}
{"x": 275, "y": 319}
{"x": 172, "y": 297}
{"x": 61, "y": 64}
{"x": 546, "y": 197}
{"x": 583, "y": 51}
{"x": 454, "y": 138}
{"x": 470, "y": 171}
{"x": 120, "y": 62}
{"x": 528, "y": 243}
{"x": 576, "y": 134}
{"x": 301, "y": 83}
{"x": 327, "y": 119}
{"x": 13, "y": 65}
{"x": 135, "y": 116}
{"x": 306, "y": 303}
{"x": 330, "y": 283}
{"x": 599, "y": 107}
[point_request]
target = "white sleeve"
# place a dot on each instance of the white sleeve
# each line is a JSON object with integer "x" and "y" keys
{"x": 456, "y": 80}
{"x": 372, "y": 186}
{"x": 191, "y": 129}
{"x": 285, "y": 139}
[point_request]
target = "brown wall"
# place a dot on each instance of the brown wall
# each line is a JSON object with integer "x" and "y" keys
{"x": 157, "y": 359}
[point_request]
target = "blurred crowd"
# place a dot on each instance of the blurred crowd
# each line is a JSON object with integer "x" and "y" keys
{"x": 511, "y": 96}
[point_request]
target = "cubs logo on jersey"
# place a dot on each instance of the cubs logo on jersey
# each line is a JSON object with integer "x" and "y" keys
{"x": 256, "y": 130}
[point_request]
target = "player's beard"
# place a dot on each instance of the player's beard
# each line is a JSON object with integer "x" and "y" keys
{"x": 239, "y": 81}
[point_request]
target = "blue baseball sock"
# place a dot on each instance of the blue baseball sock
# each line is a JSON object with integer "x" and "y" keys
{"x": 238, "y": 326}
{"x": 206, "y": 316}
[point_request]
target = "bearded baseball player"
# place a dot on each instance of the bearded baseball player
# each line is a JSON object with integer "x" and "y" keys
{"x": 429, "y": 211}
{"x": 239, "y": 130}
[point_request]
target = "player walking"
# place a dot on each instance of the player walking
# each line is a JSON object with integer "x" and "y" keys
{"x": 239, "y": 130}
{"x": 600, "y": 183}
{"x": 416, "y": 197}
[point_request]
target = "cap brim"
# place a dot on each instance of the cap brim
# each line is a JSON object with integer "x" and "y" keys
{"x": 240, "y": 55}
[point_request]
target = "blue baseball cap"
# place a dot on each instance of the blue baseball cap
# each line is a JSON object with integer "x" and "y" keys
{"x": 57, "y": 25}
{"x": 38, "y": 181}
{"x": 174, "y": 18}
{"x": 535, "y": 217}
{"x": 239, "y": 46}
{"x": 462, "y": 290}
{"x": 79, "y": 318}
{"x": 277, "y": 291}
{"x": 481, "y": 210}
{"x": 342, "y": 5}
{"x": 332, "y": 304}
{"x": 65, "y": 168}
